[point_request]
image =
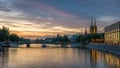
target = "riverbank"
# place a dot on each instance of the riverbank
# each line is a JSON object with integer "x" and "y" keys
{"x": 104, "y": 47}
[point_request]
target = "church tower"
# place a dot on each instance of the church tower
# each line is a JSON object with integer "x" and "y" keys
{"x": 85, "y": 31}
{"x": 93, "y": 27}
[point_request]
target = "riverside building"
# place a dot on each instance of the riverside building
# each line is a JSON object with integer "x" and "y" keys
{"x": 112, "y": 34}
{"x": 94, "y": 36}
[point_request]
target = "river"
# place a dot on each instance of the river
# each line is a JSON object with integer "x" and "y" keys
{"x": 37, "y": 57}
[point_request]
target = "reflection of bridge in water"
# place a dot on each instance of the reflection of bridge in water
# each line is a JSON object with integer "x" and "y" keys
{"x": 65, "y": 45}
{"x": 43, "y": 45}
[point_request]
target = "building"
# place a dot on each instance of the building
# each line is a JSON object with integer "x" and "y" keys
{"x": 93, "y": 27}
{"x": 98, "y": 38}
{"x": 112, "y": 34}
{"x": 94, "y": 36}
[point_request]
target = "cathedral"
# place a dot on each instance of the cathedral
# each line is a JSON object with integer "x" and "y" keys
{"x": 93, "y": 27}
{"x": 94, "y": 36}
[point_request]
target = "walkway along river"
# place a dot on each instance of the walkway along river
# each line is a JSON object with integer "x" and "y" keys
{"x": 36, "y": 57}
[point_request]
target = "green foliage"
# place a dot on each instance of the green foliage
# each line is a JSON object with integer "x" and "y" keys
{"x": 65, "y": 38}
{"x": 4, "y": 34}
{"x": 14, "y": 37}
{"x": 88, "y": 38}
{"x": 59, "y": 38}
{"x": 38, "y": 41}
{"x": 80, "y": 38}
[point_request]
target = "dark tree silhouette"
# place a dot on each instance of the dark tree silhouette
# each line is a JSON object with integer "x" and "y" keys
{"x": 80, "y": 38}
{"x": 4, "y": 34}
{"x": 65, "y": 38}
{"x": 14, "y": 37}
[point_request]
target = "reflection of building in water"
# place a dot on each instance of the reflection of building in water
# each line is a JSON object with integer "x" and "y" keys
{"x": 112, "y": 34}
{"x": 112, "y": 60}
{"x": 95, "y": 55}
{"x": 109, "y": 59}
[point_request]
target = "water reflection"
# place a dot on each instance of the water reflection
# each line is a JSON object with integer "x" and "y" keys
{"x": 104, "y": 59}
{"x": 4, "y": 54}
{"x": 36, "y": 57}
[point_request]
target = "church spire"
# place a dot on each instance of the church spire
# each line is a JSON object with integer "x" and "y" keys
{"x": 93, "y": 27}
{"x": 94, "y": 22}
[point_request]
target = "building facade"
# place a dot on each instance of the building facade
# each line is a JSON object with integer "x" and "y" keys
{"x": 93, "y": 27}
{"x": 94, "y": 36}
{"x": 112, "y": 34}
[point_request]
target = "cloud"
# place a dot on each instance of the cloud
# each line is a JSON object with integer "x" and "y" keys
{"x": 43, "y": 17}
{"x": 38, "y": 16}
{"x": 108, "y": 18}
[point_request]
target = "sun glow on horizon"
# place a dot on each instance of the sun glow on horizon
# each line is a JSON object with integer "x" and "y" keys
{"x": 43, "y": 18}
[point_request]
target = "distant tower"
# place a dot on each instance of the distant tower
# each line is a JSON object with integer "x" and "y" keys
{"x": 93, "y": 27}
{"x": 85, "y": 31}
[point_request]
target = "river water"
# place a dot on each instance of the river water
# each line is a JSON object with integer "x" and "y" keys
{"x": 37, "y": 57}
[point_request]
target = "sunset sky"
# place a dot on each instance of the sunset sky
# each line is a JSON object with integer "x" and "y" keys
{"x": 49, "y": 17}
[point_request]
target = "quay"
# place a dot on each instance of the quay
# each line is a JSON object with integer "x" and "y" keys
{"x": 104, "y": 47}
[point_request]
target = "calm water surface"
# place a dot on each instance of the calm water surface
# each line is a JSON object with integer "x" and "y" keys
{"x": 36, "y": 57}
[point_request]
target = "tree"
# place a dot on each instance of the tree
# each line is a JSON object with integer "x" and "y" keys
{"x": 59, "y": 38}
{"x": 4, "y": 34}
{"x": 65, "y": 38}
{"x": 14, "y": 38}
{"x": 88, "y": 37}
{"x": 80, "y": 38}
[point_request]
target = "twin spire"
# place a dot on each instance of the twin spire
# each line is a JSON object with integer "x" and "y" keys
{"x": 93, "y": 27}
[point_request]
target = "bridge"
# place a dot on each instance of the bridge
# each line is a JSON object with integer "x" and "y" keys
{"x": 65, "y": 45}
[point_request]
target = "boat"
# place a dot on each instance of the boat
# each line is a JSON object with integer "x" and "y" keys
{"x": 44, "y": 46}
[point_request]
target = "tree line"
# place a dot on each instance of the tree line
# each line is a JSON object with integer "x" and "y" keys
{"x": 5, "y": 35}
{"x": 79, "y": 39}
{"x": 57, "y": 39}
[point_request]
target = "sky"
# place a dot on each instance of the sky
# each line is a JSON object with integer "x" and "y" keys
{"x": 49, "y": 17}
